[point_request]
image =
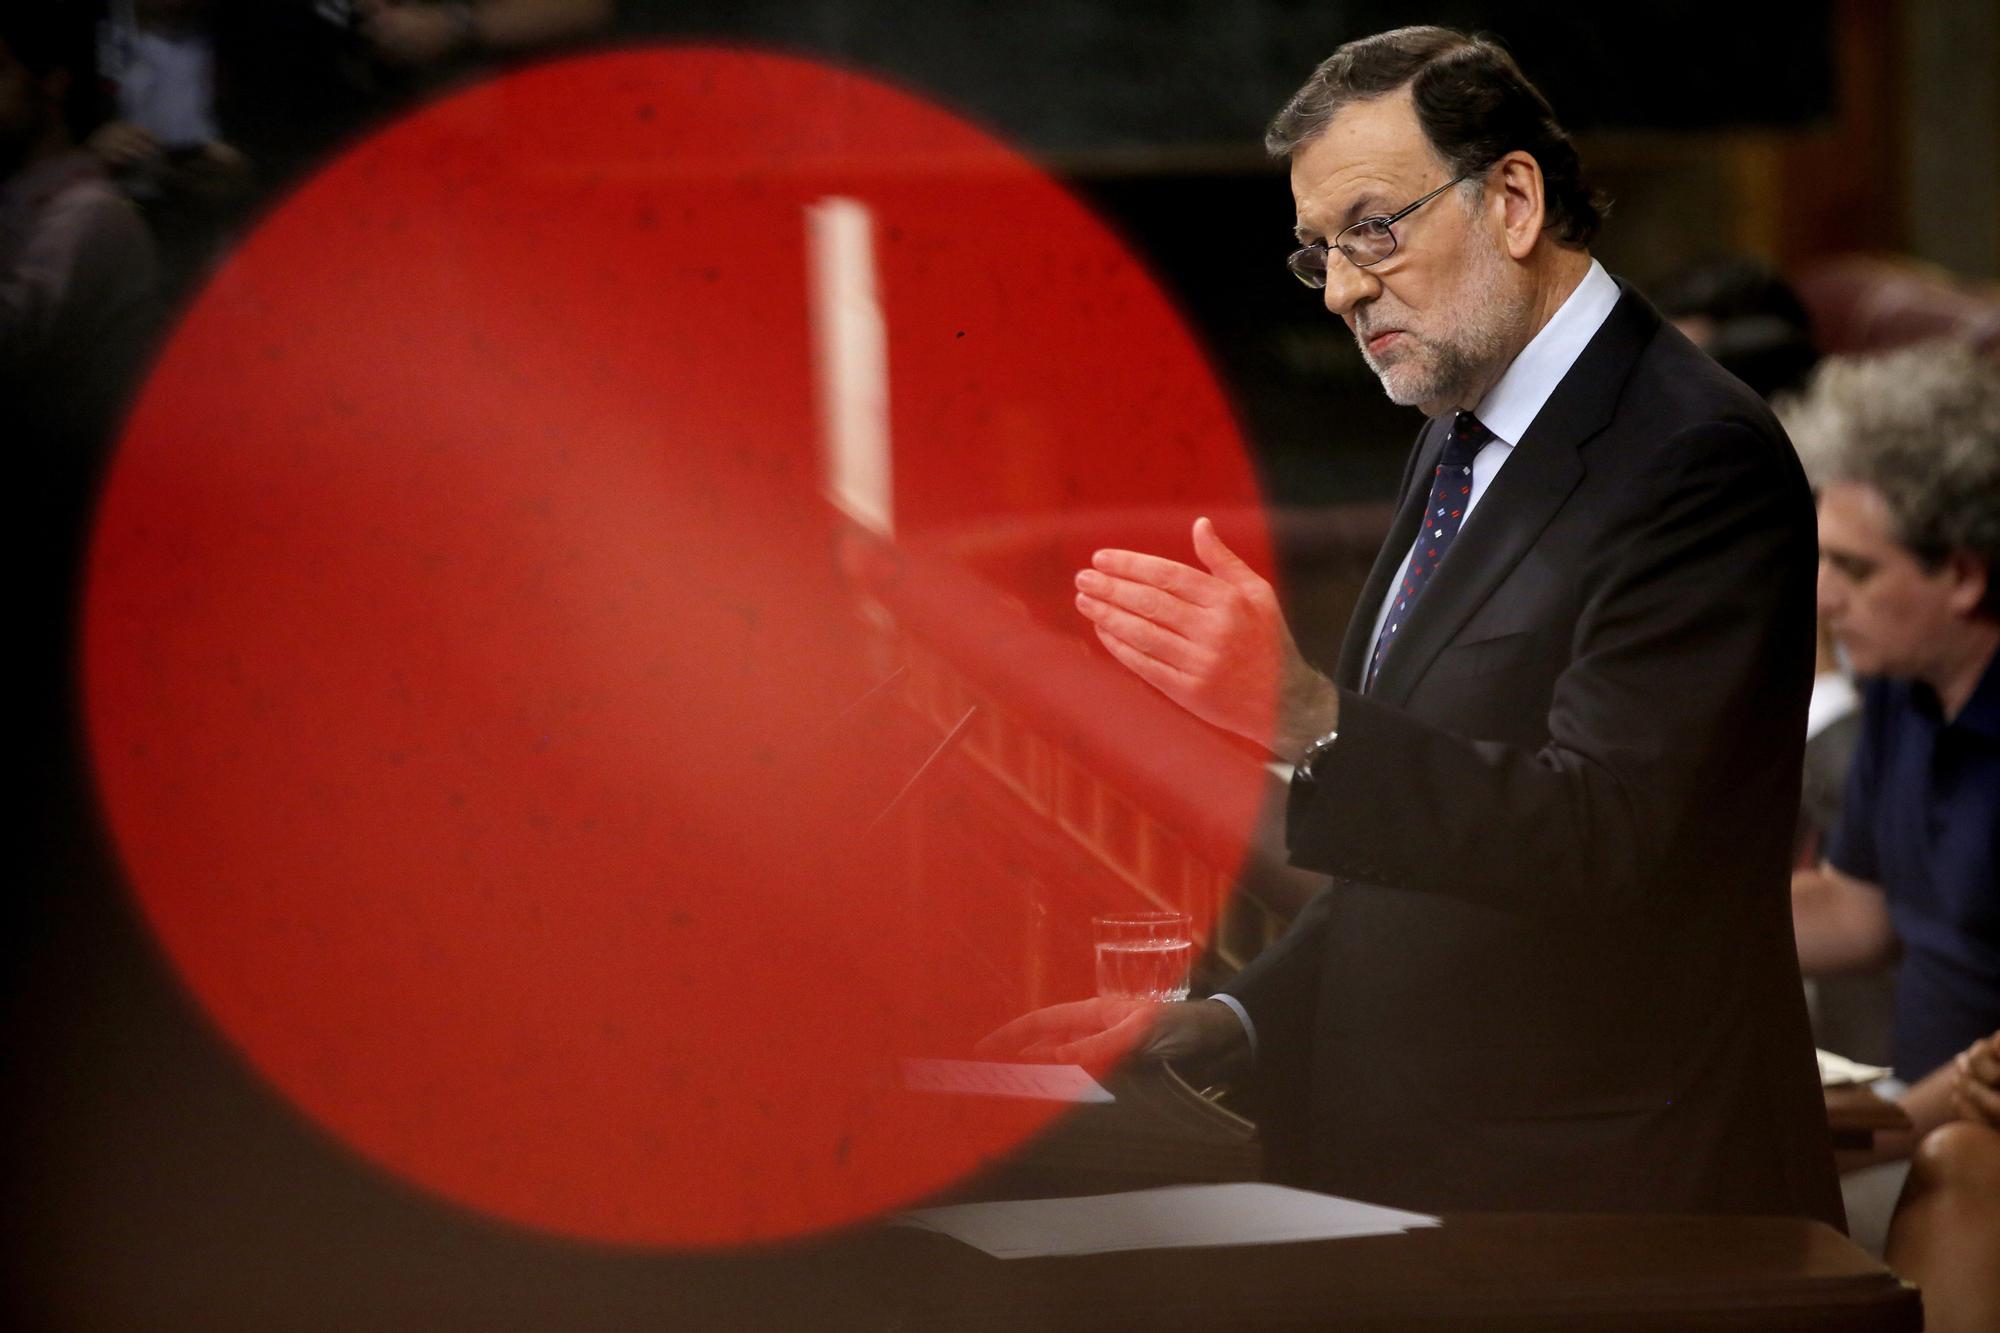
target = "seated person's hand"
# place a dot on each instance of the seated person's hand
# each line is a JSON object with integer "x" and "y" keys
{"x": 120, "y": 145}
{"x": 1098, "y": 1032}
{"x": 1975, "y": 1093}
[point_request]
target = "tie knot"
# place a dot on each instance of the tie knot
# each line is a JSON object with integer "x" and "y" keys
{"x": 1471, "y": 430}
{"x": 1467, "y": 436}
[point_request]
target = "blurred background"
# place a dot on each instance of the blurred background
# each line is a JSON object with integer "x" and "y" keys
{"x": 1850, "y": 146}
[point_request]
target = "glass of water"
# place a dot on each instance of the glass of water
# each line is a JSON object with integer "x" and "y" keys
{"x": 1143, "y": 955}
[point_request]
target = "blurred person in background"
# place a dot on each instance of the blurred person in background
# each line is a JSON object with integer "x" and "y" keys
{"x": 299, "y": 78}
{"x": 76, "y": 264}
{"x": 216, "y": 100}
{"x": 77, "y": 313}
{"x": 163, "y": 141}
{"x": 158, "y": 59}
{"x": 1744, "y": 314}
{"x": 1905, "y": 451}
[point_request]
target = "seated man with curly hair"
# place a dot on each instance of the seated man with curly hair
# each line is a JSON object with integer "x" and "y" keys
{"x": 1904, "y": 451}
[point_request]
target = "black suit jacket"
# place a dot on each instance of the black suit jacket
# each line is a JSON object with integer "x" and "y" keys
{"x": 1555, "y": 970}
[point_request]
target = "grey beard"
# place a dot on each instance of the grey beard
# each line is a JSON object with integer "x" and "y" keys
{"x": 1445, "y": 379}
{"x": 1460, "y": 360}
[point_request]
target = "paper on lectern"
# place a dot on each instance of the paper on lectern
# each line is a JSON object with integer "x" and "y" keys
{"x": 997, "y": 1078}
{"x": 1837, "y": 1071}
{"x": 1172, "y": 1217}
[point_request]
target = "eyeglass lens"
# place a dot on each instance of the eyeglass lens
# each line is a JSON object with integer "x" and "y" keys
{"x": 1369, "y": 241}
{"x": 1309, "y": 265}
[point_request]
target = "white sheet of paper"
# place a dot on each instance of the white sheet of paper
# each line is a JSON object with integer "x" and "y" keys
{"x": 1174, "y": 1216}
{"x": 1837, "y": 1071}
{"x": 996, "y": 1078}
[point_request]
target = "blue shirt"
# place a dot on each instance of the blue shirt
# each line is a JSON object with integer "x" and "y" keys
{"x": 1922, "y": 820}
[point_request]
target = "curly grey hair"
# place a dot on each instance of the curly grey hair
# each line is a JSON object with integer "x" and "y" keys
{"x": 1920, "y": 425}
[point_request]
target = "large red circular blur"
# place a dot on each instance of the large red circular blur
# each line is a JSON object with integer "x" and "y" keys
{"x": 465, "y": 605}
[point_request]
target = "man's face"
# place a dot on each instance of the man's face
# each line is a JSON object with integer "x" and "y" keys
{"x": 1438, "y": 318}
{"x": 1891, "y": 614}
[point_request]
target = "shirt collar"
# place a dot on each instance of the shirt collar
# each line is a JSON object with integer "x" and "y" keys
{"x": 1510, "y": 407}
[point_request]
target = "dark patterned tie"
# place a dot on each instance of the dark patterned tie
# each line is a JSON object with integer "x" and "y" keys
{"x": 1451, "y": 488}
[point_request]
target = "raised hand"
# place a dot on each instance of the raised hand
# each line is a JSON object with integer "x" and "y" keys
{"x": 1214, "y": 641}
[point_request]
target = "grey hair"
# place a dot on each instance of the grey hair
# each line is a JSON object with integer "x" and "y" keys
{"x": 1921, "y": 426}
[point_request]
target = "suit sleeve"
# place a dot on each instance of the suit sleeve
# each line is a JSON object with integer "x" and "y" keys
{"x": 1686, "y": 664}
{"x": 1279, "y": 987}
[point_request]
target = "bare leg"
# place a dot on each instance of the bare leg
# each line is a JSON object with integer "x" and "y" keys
{"x": 1945, "y": 1236}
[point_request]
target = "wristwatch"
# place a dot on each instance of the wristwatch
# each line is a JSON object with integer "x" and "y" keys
{"x": 1304, "y": 771}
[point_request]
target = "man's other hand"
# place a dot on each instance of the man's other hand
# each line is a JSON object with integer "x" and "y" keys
{"x": 1214, "y": 641}
{"x": 1099, "y": 1032}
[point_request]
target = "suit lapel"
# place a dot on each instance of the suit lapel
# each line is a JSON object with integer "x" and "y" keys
{"x": 1538, "y": 477}
{"x": 1357, "y": 643}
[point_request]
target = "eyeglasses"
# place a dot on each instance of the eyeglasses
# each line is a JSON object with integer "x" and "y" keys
{"x": 1365, "y": 244}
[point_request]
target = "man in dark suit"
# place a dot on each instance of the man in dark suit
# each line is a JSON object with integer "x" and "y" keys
{"x": 1555, "y": 768}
